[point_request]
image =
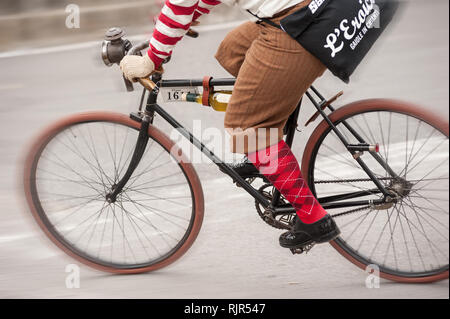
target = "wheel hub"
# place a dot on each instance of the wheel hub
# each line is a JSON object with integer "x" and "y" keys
{"x": 111, "y": 197}
{"x": 400, "y": 187}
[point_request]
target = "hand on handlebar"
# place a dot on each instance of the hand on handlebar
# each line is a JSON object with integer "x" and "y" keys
{"x": 134, "y": 67}
{"x": 138, "y": 68}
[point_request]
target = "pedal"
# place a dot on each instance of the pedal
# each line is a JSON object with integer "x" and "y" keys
{"x": 304, "y": 249}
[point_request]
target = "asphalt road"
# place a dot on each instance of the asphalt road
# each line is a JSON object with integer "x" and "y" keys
{"x": 236, "y": 255}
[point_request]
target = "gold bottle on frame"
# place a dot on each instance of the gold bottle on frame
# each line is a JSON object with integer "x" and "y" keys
{"x": 218, "y": 100}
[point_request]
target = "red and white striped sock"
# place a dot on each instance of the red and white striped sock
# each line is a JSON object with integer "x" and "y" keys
{"x": 279, "y": 165}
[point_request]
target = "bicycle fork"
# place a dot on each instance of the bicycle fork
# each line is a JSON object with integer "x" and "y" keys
{"x": 145, "y": 119}
{"x": 139, "y": 150}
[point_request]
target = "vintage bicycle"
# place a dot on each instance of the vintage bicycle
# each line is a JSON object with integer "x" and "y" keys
{"x": 117, "y": 194}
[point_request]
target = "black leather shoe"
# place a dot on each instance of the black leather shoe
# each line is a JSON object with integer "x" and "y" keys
{"x": 322, "y": 231}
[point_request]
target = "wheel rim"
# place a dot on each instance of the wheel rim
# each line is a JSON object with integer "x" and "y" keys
{"x": 399, "y": 215}
{"x": 139, "y": 209}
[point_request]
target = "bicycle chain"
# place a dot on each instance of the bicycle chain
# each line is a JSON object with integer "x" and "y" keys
{"x": 277, "y": 224}
{"x": 353, "y": 180}
{"x": 351, "y": 211}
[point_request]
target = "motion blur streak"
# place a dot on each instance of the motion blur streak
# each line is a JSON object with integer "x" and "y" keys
{"x": 236, "y": 255}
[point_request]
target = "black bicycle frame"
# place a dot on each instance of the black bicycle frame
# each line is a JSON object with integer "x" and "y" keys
{"x": 330, "y": 202}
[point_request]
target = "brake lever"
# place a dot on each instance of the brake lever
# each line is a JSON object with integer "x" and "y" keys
{"x": 147, "y": 83}
{"x": 128, "y": 84}
{"x": 136, "y": 50}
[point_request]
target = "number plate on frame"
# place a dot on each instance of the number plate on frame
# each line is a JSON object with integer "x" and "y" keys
{"x": 176, "y": 94}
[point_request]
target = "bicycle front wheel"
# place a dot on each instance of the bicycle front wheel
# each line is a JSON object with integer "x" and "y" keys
{"x": 75, "y": 163}
{"x": 408, "y": 239}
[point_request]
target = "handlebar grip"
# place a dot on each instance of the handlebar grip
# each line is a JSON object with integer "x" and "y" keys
{"x": 147, "y": 83}
{"x": 192, "y": 33}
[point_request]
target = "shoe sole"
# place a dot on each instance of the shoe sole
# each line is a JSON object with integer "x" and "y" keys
{"x": 297, "y": 246}
{"x": 328, "y": 237}
{"x": 321, "y": 240}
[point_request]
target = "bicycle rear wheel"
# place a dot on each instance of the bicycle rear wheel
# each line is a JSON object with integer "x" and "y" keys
{"x": 75, "y": 163}
{"x": 408, "y": 241}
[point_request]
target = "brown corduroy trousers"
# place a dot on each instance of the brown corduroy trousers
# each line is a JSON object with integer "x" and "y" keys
{"x": 273, "y": 72}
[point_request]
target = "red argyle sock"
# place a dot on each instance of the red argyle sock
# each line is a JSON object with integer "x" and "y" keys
{"x": 279, "y": 165}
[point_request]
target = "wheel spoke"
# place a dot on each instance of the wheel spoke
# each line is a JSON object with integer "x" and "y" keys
{"x": 419, "y": 231}
{"x": 367, "y": 231}
{"x": 391, "y": 242}
{"x": 411, "y": 236}
{"x": 130, "y": 216}
{"x": 151, "y": 216}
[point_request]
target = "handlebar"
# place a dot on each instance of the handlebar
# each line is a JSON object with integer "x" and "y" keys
{"x": 147, "y": 83}
{"x": 136, "y": 49}
{"x": 115, "y": 46}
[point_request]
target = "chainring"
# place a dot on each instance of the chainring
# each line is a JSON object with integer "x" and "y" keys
{"x": 281, "y": 221}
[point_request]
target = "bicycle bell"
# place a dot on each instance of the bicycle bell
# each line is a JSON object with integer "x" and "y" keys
{"x": 114, "y": 47}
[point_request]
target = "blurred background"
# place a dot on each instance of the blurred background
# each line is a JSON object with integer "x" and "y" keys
{"x": 49, "y": 70}
{"x": 37, "y": 23}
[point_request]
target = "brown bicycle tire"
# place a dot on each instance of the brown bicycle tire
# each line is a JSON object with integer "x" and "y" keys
{"x": 353, "y": 109}
{"x": 45, "y": 137}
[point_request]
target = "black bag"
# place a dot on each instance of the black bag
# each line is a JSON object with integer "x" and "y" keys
{"x": 340, "y": 32}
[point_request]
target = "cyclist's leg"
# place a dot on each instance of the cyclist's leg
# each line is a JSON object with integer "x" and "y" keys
{"x": 232, "y": 50}
{"x": 273, "y": 77}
